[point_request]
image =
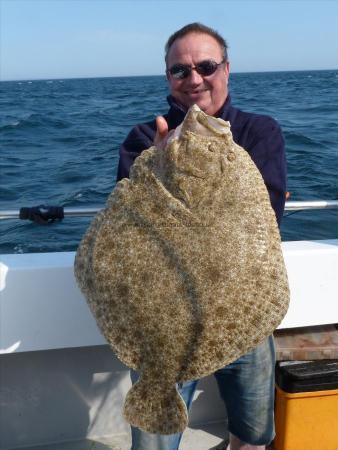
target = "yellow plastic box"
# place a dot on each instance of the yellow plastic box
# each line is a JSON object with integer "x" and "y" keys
{"x": 307, "y": 420}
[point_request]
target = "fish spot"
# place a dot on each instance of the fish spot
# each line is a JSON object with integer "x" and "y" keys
{"x": 145, "y": 277}
{"x": 122, "y": 289}
{"x": 138, "y": 334}
{"x": 199, "y": 328}
{"x": 214, "y": 273}
{"x": 212, "y": 344}
{"x": 221, "y": 311}
{"x": 79, "y": 265}
{"x": 90, "y": 283}
{"x": 211, "y": 147}
{"x": 231, "y": 156}
{"x": 165, "y": 403}
{"x": 256, "y": 320}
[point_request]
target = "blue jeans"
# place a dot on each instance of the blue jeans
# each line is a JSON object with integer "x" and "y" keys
{"x": 247, "y": 388}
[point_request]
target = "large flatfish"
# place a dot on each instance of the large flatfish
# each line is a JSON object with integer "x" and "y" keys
{"x": 183, "y": 269}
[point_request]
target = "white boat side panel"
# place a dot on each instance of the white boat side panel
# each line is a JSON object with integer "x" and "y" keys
{"x": 312, "y": 268}
{"x": 42, "y": 307}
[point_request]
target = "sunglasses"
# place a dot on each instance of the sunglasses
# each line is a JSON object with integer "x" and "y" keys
{"x": 204, "y": 68}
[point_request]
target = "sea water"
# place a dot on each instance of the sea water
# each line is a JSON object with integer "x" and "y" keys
{"x": 60, "y": 146}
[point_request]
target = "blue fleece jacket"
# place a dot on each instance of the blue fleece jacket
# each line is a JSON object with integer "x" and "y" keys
{"x": 259, "y": 135}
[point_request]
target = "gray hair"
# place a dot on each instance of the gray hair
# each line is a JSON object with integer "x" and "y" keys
{"x": 196, "y": 27}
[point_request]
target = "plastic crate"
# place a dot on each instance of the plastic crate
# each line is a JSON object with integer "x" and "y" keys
{"x": 306, "y": 411}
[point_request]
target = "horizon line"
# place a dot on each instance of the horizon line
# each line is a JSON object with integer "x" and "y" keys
{"x": 159, "y": 75}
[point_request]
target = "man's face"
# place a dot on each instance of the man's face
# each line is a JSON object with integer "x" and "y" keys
{"x": 208, "y": 92}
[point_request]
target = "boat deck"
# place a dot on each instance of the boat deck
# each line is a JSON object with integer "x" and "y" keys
{"x": 205, "y": 437}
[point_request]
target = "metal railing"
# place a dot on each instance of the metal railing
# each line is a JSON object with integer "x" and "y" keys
{"x": 88, "y": 212}
{"x": 311, "y": 204}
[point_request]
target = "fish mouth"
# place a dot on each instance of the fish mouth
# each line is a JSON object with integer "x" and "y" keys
{"x": 200, "y": 123}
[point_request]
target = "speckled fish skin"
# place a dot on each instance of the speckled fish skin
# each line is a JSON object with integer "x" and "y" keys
{"x": 183, "y": 269}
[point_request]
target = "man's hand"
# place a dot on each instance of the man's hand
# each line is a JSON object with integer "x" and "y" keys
{"x": 161, "y": 133}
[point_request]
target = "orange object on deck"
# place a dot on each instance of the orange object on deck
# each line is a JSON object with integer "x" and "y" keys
{"x": 306, "y": 420}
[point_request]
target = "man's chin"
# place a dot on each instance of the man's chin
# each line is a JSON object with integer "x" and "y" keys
{"x": 200, "y": 103}
{"x": 205, "y": 107}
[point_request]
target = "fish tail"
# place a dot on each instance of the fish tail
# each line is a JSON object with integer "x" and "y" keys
{"x": 155, "y": 409}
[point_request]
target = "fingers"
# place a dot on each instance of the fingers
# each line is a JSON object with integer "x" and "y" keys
{"x": 162, "y": 131}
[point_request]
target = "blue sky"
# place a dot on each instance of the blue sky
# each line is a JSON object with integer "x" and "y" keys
{"x": 92, "y": 38}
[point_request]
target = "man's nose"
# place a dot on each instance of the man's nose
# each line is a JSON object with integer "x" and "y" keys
{"x": 195, "y": 77}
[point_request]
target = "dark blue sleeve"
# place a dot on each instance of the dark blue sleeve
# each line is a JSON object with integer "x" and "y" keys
{"x": 268, "y": 153}
{"x": 140, "y": 138}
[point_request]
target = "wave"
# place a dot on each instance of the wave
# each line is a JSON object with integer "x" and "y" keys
{"x": 86, "y": 197}
{"x": 300, "y": 141}
{"x": 72, "y": 176}
{"x": 35, "y": 120}
{"x": 7, "y": 194}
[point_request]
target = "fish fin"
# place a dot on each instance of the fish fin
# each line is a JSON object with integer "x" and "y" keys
{"x": 154, "y": 409}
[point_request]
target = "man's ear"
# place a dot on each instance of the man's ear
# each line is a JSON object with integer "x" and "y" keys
{"x": 227, "y": 68}
{"x": 227, "y": 71}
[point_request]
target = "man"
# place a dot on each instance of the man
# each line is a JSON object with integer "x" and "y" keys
{"x": 198, "y": 73}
